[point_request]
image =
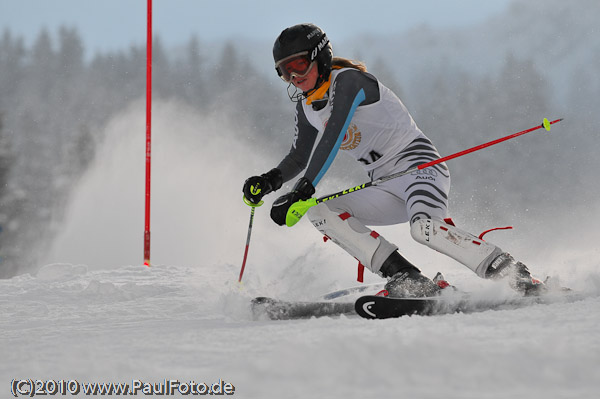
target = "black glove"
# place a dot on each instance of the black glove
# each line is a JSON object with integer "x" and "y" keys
{"x": 303, "y": 190}
{"x": 256, "y": 187}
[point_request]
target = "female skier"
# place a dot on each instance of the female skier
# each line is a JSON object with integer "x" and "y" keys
{"x": 343, "y": 107}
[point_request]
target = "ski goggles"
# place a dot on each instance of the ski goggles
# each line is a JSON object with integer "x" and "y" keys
{"x": 296, "y": 65}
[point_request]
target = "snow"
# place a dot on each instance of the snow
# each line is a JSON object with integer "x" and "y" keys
{"x": 93, "y": 313}
{"x": 129, "y": 323}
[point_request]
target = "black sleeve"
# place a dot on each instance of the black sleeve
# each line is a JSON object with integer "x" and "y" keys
{"x": 304, "y": 139}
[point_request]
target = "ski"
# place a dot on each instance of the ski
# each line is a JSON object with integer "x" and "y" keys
{"x": 264, "y": 307}
{"x": 368, "y": 306}
{"x": 381, "y": 307}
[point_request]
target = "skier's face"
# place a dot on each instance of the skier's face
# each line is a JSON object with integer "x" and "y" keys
{"x": 308, "y": 81}
{"x": 299, "y": 70}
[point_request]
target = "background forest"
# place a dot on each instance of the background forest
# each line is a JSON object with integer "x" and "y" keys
{"x": 463, "y": 87}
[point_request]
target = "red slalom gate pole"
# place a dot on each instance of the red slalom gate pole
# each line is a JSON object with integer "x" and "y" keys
{"x": 148, "y": 133}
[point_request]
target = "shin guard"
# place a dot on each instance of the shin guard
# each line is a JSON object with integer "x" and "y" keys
{"x": 354, "y": 237}
{"x": 461, "y": 246}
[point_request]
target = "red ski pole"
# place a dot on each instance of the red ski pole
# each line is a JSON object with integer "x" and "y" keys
{"x": 298, "y": 209}
{"x": 546, "y": 124}
{"x": 253, "y": 208}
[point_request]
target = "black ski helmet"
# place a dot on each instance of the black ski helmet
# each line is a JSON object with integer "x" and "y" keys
{"x": 305, "y": 37}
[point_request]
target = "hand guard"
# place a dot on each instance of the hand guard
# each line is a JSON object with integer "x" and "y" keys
{"x": 256, "y": 187}
{"x": 303, "y": 190}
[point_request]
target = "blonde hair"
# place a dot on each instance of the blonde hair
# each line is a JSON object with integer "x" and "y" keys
{"x": 340, "y": 62}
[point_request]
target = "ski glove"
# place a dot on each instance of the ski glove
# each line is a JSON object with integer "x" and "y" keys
{"x": 303, "y": 190}
{"x": 256, "y": 187}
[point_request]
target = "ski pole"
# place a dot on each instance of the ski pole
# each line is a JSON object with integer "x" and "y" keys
{"x": 253, "y": 208}
{"x": 298, "y": 209}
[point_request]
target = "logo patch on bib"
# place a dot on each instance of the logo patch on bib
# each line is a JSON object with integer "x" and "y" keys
{"x": 351, "y": 139}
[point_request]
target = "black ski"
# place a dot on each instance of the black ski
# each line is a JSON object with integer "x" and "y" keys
{"x": 380, "y": 307}
{"x": 369, "y": 306}
{"x": 282, "y": 310}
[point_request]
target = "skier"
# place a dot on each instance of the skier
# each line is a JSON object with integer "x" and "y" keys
{"x": 342, "y": 107}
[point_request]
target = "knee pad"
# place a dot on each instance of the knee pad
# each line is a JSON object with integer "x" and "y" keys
{"x": 351, "y": 235}
{"x": 461, "y": 246}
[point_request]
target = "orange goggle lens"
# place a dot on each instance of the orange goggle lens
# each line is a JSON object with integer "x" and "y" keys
{"x": 296, "y": 65}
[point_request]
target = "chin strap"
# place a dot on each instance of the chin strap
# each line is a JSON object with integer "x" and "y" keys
{"x": 319, "y": 92}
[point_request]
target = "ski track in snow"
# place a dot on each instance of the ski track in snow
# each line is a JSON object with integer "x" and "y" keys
{"x": 117, "y": 325}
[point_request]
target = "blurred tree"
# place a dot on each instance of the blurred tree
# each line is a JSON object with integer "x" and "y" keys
{"x": 188, "y": 79}
{"x": 228, "y": 70}
{"x": 43, "y": 65}
{"x": 162, "y": 84}
{"x": 12, "y": 61}
{"x": 70, "y": 53}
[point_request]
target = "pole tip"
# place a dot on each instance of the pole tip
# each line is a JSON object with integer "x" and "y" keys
{"x": 147, "y": 263}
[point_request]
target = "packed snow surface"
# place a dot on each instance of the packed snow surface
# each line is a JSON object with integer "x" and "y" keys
{"x": 167, "y": 322}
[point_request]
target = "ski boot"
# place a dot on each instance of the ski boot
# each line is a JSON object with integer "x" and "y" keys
{"x": 517, "y": 274}
{"x": 405, "y": 280}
